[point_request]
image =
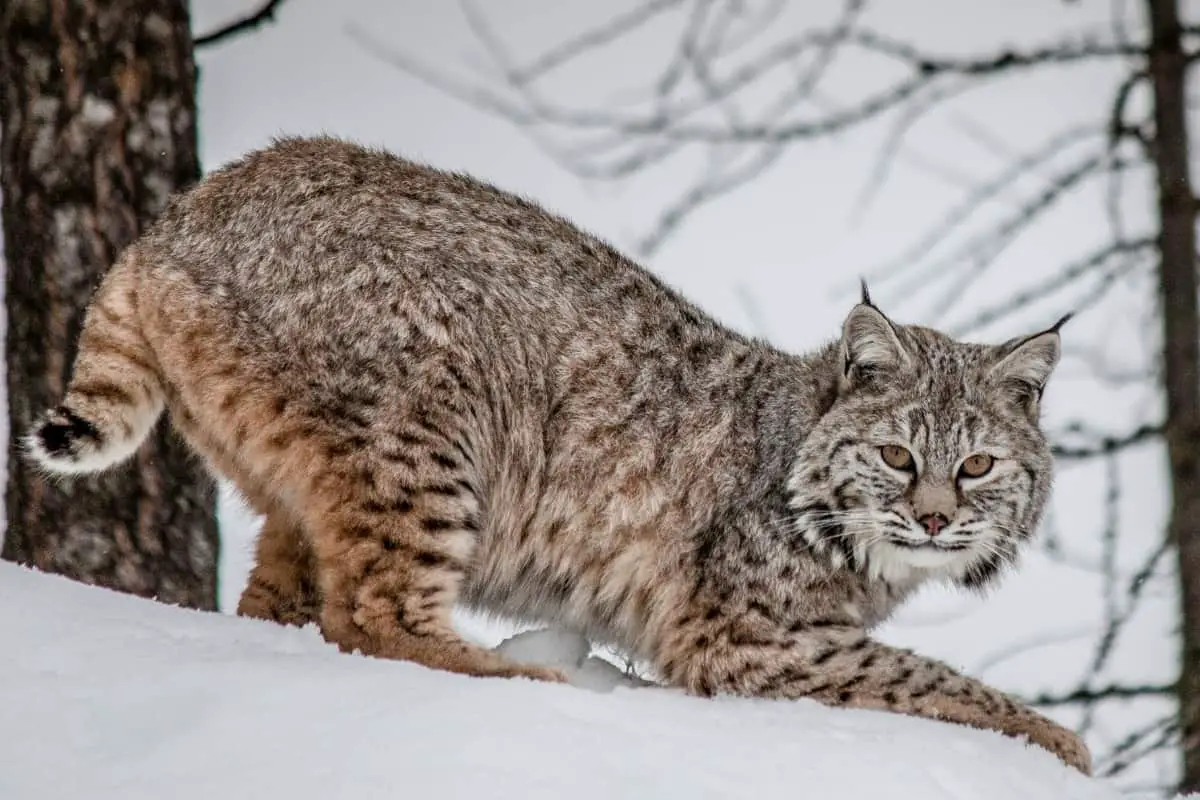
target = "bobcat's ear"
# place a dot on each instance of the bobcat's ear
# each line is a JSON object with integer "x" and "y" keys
{"x": 870, "y": 345}
{"x": 1026, "y": 365}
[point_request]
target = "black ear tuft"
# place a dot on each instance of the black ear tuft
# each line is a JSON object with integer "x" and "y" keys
{"x": 866, "y": 293}
{"x": 1062, "y": 321}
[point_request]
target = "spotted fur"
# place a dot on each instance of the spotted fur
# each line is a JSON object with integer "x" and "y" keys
{"x": 437, "y": 392}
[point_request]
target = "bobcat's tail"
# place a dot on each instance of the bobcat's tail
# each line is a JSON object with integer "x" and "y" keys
{"x": 115, "y": 394}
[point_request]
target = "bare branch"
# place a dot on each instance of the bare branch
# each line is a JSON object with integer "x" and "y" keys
{"x": 621, "y": 141}
{"x": 923, "y": 68}
{"x": 1100, "y": 367}
{"x": 722, "y": 180}
{"x": 1020, "y": 648}
{"x": 705, "y": 191}
{"x": 1108, "y": 444}
{"x": 1110, "y": 692}
{"x": 671, "y": 122}
{"x": 973, "y": 258}
{"x": 590, "y": 40}
{"x": 1108, "y": 565}
{"x": 986, "y": 192}
{"x": 1068, "y": 274}
{"x": 1138, "y": 744}
{"x": 264, "y": 14}
{"x": 1117, "y": 126}
{"x": 916, "y": 110}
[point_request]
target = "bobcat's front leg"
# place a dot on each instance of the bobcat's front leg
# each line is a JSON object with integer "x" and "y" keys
{"x": 842, "y": 666}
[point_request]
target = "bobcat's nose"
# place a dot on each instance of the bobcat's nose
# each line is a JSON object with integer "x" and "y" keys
{"x": 933, "y": 523}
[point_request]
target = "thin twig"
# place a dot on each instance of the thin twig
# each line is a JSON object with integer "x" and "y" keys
{"x": 985, "y": 193}
{"x": 1108, "y": 444}
{"x": 1138, "y": 744}
{"x": 264, "y": 14}
{"x": 1111, "y": 692}
{"x": 591, "y": 40}
{"x": 1068, "y": 274}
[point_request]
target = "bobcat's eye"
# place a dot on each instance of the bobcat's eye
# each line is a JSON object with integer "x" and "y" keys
{"x": 976, "y": 466}
{"x": 896, "y": 457}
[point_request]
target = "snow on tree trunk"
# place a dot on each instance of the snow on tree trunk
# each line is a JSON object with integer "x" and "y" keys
{"x": 97, "y": 103}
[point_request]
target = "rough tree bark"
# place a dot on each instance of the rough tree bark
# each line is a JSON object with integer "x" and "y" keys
{"x": 98, "y": 112}
{"x": 1181, "y": 351}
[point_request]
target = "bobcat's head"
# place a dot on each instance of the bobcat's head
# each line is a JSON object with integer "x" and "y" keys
{"x": 930, "y": 463}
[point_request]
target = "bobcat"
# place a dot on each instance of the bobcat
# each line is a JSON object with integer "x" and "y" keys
{"x": 437, "y": 392}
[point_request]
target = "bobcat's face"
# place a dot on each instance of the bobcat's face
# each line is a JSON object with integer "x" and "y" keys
{"x": 931, "y": 463}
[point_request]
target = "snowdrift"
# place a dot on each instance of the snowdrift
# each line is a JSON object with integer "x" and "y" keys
{"x": 107, "y": 696}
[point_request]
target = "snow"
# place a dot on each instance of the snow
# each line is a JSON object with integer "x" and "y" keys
{"x": 103, "y": 695}
{"x": 571, "y": 653}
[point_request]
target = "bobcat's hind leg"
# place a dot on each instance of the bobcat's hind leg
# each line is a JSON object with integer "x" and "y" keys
{"x": 282, "y": 586}
{"x": 390, "y": 561}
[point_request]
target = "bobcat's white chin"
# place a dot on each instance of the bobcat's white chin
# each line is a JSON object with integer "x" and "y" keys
{"x": 900, "y": 565}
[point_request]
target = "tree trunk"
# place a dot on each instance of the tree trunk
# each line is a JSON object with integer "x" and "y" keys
{"x": 97, "y": 102}
{"x": 1181, "y": 352}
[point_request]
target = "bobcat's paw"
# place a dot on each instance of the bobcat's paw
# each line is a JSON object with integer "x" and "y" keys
{"x": 534, "y": 672}
{"x": 1051, "y": 736}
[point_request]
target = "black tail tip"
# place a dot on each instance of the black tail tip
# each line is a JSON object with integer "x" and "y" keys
{"x": 63, "y": 431}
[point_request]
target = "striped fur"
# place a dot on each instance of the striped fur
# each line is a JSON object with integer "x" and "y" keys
{"x": 437, "y": 392}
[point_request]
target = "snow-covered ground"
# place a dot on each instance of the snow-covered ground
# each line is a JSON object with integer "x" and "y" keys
{"x": 107, "y": 696}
